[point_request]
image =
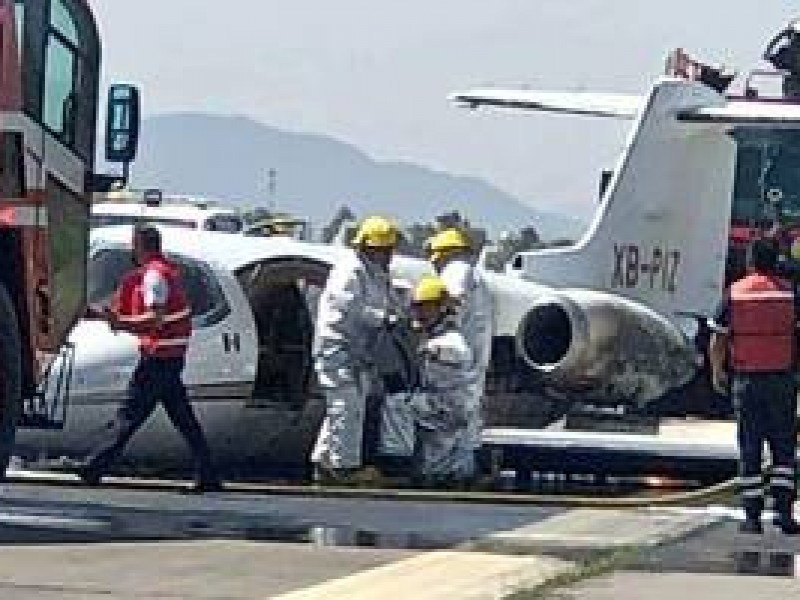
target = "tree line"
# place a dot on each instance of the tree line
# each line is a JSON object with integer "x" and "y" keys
{"x": 498, "y": 251}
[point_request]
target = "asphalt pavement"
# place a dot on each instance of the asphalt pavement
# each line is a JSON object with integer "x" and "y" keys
{"x": 77, "y": 542}
{"x": 713, "y": 563}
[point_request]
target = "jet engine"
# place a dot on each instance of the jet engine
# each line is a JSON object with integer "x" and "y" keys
{"x": 604, "y": 349}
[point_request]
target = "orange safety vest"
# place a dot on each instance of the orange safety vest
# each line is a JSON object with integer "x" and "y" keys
{"x": 762, "y": 324}
{"x": 172, "y": 338}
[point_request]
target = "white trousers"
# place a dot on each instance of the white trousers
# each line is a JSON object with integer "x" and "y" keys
{"x": 446, "y": 454}
{"x": 339, "y": 444}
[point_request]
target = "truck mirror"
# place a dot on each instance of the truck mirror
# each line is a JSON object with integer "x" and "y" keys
{"x": 123, "y": 122}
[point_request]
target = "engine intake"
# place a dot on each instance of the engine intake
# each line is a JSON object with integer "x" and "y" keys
{"x": 605, "y": 349}
{"x": 547, "y": 335}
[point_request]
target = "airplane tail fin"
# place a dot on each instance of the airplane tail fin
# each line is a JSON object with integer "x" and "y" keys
{"x": 660, "y": 234}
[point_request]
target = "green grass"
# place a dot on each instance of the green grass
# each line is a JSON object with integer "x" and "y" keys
{"x": 602, "y": 564}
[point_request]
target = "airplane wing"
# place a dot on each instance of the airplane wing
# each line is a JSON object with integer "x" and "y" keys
{"x": 621, "y": 106}
{"x": 750, "y": 113}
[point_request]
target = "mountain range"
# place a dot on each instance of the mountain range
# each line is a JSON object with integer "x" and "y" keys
{"x": 230, "y": 158}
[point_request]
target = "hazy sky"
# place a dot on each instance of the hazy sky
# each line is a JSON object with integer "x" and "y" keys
{"x": 377, "y": 73}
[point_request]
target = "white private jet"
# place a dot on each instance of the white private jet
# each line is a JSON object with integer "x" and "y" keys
{"x": 599, "y": 324}
{"x": 249, "y": 364}
{"x": 660, "y": 235}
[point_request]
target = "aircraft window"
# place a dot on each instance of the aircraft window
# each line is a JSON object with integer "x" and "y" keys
{"x": 108, "y": 267}
{"x": 224, "y": 223}
{"x": 206, "y": 297}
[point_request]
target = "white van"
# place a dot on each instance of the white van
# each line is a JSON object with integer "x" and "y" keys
{"x": 151, "y": 206}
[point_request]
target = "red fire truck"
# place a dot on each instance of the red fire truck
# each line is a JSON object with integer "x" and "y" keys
{"x": 49, "y": 81}
{"x": 766, "y": 197}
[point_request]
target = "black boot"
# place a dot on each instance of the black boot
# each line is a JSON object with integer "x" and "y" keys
{"x": 89, "y": 474}
{"x": 394, "y": 466}
{"x": 204, "y": 486}
{"x": 750, "y": 525}
{"x": 785, "y": 521}
{"x": 752, "y": 521}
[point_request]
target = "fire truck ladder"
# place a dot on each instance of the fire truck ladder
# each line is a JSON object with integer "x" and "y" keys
{"x": 47, "y": 409}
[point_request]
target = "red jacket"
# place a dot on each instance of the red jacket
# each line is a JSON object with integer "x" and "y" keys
{"x": 172, "y": 338}
{"x": 762, "y": 324}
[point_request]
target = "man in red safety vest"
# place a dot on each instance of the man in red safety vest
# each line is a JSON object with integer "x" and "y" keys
{"x": 754, "y": 337}
{"x": 151, "y": 304}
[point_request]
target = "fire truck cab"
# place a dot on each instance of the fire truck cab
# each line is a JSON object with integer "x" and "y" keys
{"x": 766, "y": 195}
{"x": 49, "y": 81}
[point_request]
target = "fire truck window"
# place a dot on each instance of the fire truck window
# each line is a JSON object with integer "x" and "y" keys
{"x": 61, "y": 70}
{"x": 58, "y": 89}
{"x": 62, "y": 21}
{"x": 785, "y": 178}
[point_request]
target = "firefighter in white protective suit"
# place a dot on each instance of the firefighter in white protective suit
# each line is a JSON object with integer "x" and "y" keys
{"x": 452, "y": 255}
{"x": 431, "y": 422}
{"x": 357, "y": 308}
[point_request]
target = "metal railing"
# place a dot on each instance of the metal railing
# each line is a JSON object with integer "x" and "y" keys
{"x": 47, "y": 408}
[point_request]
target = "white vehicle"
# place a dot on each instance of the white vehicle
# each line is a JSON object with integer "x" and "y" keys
{"x": 129, "y": 207}
{"x": 599, "y": 325}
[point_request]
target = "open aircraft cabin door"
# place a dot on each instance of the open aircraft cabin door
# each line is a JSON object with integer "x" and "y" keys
{"x": 283, "y": 294}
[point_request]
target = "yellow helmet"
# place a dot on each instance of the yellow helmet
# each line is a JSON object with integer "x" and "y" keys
{"x": 448, "y": 241}
{"x": 282, "y": 225}
{"x": 430, "y": 289}
{"x": 376, "y": 232}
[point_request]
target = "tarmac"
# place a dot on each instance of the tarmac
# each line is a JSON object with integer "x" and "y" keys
{"x": 716, "y": 563}
{"x": 74, "y": 542}
{"x": 668, "y": 586}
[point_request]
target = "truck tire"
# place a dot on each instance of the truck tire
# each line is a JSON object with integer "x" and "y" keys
{"x": 10, "y": 377}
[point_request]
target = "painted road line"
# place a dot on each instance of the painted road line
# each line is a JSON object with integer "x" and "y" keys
{"x": 441, "y": 575}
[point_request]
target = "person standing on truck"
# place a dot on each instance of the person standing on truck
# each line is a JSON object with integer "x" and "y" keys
{"x": 152, "y": 305}
{"x": 755, "y": 338}
{"x": 451, "y": 254}
{"x": 783, "y": 52}
{"x": 357, "y": 310}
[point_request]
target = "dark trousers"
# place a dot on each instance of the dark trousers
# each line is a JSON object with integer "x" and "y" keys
{"x": 155, "y": 380}
{"x": 766, "y": 409}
